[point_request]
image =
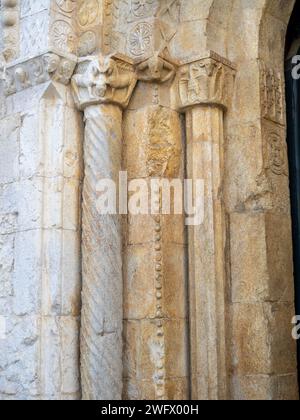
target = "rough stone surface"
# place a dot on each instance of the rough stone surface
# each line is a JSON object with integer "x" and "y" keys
{"x": 155, "y": 298}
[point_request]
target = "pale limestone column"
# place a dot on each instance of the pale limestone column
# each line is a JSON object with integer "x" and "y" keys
{"x": 102, "y": 87}
{"x": 155, "y": 292}
{"x": 202, "y": 95}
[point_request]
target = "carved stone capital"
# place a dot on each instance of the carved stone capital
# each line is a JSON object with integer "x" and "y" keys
{"x": 103, "y": 80}
{"x": 207, "y": 80}
{"x": 51, "y": 65}
{"x": 156, "y": 69}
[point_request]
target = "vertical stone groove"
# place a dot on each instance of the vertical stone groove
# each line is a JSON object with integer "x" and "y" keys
{"x": 207, "y": 256}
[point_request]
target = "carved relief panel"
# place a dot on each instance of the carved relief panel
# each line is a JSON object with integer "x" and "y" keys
{"x": 275, "y": 161}
{"x": 272, "y": 95}
{"x": 88, "y": 20}
{"x": 276, "y": 152}
{"x": 98, "y": 26}
{"x": 40, "y": 33}
{"x": 143, "y": 26}
{"x": 133, "y": 27}
{"x": 274, "y": 136}
{"x": 142, "y": 9}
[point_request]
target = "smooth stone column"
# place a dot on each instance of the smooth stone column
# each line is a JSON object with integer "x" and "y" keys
{"x": 202, "y": 95}
{"x": 207, "y": 255}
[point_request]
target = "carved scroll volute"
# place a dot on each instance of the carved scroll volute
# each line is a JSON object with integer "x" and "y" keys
{"x": 205, "y": 81}
{"x": 104, "y": 79}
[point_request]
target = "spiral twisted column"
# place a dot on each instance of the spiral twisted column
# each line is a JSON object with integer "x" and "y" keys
{"x": 102, "y": 88}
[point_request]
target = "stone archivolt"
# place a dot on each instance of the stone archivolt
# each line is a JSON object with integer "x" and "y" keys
{"x": 139, "y": 28}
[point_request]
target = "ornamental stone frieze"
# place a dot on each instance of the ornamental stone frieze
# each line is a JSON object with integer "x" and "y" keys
{"x": 51, "y": 65}
{"x": 54, "y": 65}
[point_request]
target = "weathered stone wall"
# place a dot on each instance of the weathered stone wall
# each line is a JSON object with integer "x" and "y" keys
{"x": 206, "y": 78}
{"x": 261, "y": 296}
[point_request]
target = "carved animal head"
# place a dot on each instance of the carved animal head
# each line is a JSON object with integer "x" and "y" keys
{"x": 103, "y": 73}
{"x": 51, "y": 62}
{"x": 156, "y": 65}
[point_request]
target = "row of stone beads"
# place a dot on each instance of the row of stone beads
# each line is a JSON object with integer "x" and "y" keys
{"x": 155, "y": 98}
{"x": 160, "y": 367}
{"x": 10, "y": 24}
{"x": 108, "y": 26}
